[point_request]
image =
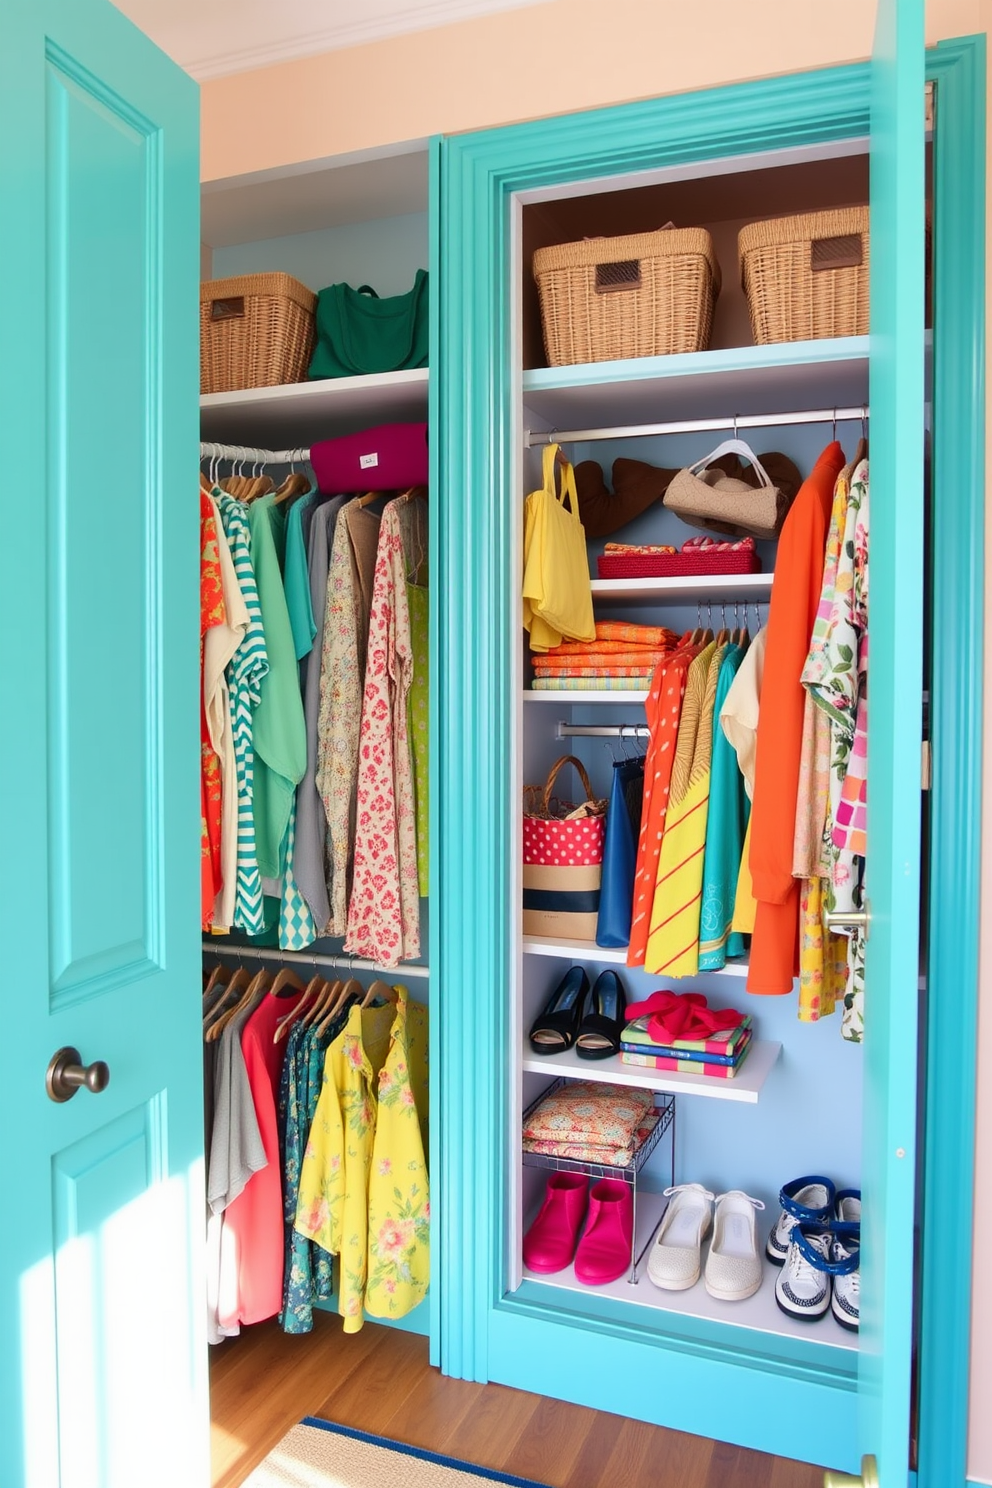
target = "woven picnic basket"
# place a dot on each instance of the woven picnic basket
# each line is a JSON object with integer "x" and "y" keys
{"x": 806, "y": 277}
{"x": 256, "y": 330}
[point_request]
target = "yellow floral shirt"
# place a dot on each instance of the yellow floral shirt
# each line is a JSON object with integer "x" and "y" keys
{"x": 363, "y": 1185}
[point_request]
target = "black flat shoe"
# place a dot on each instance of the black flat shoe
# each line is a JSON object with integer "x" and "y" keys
{"x": 599, "y": 1031}
{"x": 555, "y": 1029}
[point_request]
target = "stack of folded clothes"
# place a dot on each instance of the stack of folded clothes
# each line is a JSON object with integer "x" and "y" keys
{"x": 591, "y": 1123}
{"x": 622, "y": 658}
{"x": 698, "y": 555}
{"x": 679, "y": 1032}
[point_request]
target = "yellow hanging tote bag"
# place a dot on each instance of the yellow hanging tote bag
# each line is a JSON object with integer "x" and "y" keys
{"x": 557, "y": 593}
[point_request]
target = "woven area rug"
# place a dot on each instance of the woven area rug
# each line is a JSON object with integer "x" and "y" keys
{"x": 316, "y": 1454}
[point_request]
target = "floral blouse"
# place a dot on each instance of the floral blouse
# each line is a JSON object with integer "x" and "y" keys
{"x": 212, "y": 613}
{"x": 384, "y": 910}
{"x": 363, "y": 1183}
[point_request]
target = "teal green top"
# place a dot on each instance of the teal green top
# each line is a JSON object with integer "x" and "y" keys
{"x": 296, "y": 577}
{"x": 278, "y": 730}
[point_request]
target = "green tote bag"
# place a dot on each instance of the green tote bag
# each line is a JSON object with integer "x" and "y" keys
{"x": 357, "y": 333}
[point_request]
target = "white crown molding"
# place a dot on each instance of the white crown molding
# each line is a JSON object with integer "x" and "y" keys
{"x": 350, "y": 33}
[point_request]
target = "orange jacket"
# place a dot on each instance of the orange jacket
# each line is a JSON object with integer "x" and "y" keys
{"x": 792, "y": 611}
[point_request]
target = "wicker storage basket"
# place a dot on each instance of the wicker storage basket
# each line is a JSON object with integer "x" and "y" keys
{"x": 675, "y": 565}
{"x": 649, "y": 294}
{"x": 255, "y": 331}
{"x": 807, "y": 277}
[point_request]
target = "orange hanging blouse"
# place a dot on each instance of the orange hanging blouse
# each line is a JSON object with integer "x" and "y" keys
{"x": 795, "y": 596}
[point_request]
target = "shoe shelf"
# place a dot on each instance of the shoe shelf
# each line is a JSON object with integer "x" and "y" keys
{"x": 725, "y": 587}
{"x": 627, "y": 1174}
{"x": 589, "y": 951}
{"x": 746, "y": 1086}
{"x": 759, "y": 1313}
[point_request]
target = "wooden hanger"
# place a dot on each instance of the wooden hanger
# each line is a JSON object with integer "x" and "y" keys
{"x": 348, "y": 991}
{"x": 325, "y": 996}
{"x": 259, "y": 485}
{"x": 380, "y": 989}
{"x": 255, "y": 992}
{"x": 219, "y": 974}
{"x": 236, "y": 987}
{"x": 295, "y": 484}
{"x": 415, "y": 493}
{"x": 369, "y": 497}
{"x": 310, "y": 991}
{"x": 285, "y": 978}
{"x": 206, "y": 484}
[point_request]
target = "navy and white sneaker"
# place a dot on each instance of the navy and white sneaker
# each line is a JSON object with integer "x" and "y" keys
{"x": 802, "y": 1288}
{"x": 847, "y": 1206}
{"x": 845, "y": 1299}
{"x": 807, "y": 1201}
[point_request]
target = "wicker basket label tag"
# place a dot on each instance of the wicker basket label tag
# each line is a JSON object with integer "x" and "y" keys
{"x": 232, "y": 309}
{"x": 836, "y": 253}
{"x": 613, "y": 276}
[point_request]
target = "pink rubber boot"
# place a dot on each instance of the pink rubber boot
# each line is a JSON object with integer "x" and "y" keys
{"x": 549, "y": 1244}
{"x": 604, "y": 1250}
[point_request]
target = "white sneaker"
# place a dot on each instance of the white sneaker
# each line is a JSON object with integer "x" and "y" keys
{"x": 674, "y": 1260}
{"x": 733, "y": 1266}
{"x": 845, "y": 1300}
{"x": 847, "y": 1205}
{"x": 802, "y": 1288}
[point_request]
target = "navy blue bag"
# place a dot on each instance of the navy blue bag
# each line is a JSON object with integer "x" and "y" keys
{"x": 623, "y": 822}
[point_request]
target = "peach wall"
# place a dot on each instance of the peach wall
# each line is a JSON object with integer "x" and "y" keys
{"x": 576, "y": 54}
{"x": 520, "y": 64}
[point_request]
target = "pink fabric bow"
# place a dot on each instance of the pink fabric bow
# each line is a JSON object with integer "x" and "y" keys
{"x": 682, "y": 1015}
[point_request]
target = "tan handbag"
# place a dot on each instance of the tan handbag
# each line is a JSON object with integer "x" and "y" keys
{"x": 717, "y": 502}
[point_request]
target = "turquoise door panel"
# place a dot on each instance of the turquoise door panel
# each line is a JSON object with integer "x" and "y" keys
{"x": 100, "y": 1292}
{"x": 896, "y": 391}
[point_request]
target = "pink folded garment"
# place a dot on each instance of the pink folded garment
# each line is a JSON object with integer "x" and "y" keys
{"x": 389, "y": 457}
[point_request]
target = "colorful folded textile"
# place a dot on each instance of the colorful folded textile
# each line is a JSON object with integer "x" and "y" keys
{"x": 591, "y": 684}
{"x": 688, "y": 1066}
{"x": 647, "y": 659}
{"x": 605, "y": 648}
{"x": 600, "y": 669}
{"x": 722, "y": 1046}
{"x": 638, "y": 548}
{"x": 604, "y": 1157}
{"x": 640, "y": 635}
{"x": 673, "y": 1016}
{"x": 585, "y": 1110}
{"x": 717, "y": 545}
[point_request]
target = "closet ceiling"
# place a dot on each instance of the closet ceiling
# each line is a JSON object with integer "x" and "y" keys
{"x": 213, "y": 37}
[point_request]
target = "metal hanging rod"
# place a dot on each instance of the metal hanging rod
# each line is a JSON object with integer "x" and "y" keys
{"x": 342, "y": 962}
{"x": 250, "y": 456}
{"x": 602, "y": 731}
{"x": 534, "y": 438}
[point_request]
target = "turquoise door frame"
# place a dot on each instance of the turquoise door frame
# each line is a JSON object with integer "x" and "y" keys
{"x": 102, "y": 1336}
{"x": 484, "y": 1334}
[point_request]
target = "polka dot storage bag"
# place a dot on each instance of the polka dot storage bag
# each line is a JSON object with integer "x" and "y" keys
{"x": 563, "y": 859}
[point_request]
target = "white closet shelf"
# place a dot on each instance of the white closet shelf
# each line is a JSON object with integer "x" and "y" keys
{"x": 752, "y": 586}
{"x": 577, "y": 698}
{"x": 300, "y": 413}
{"x": 588, "y": 950}
{"x": 760, "y": 1312}
{"x": 744, "y": 1087}
{"x": 742, "y": 380}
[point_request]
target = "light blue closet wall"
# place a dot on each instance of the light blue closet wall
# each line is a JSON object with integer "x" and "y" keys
{"x": 385, "y": 253}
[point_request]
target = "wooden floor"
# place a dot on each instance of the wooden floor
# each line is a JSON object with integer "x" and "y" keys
{"x": 379, "y": 1380}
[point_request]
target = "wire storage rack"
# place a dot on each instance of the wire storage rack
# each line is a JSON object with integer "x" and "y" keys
{"x": 626, "y": 1173}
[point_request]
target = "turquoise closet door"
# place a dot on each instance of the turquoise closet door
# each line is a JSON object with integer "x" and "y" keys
{"x": 894, "y": 733}
{"x": 103, "y": 1358}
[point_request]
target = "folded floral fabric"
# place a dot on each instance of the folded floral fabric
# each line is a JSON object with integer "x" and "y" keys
{"x": 605, "y": 1157}
{"x": 591, "y": 684}
{"x": 584, "y": 1110}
